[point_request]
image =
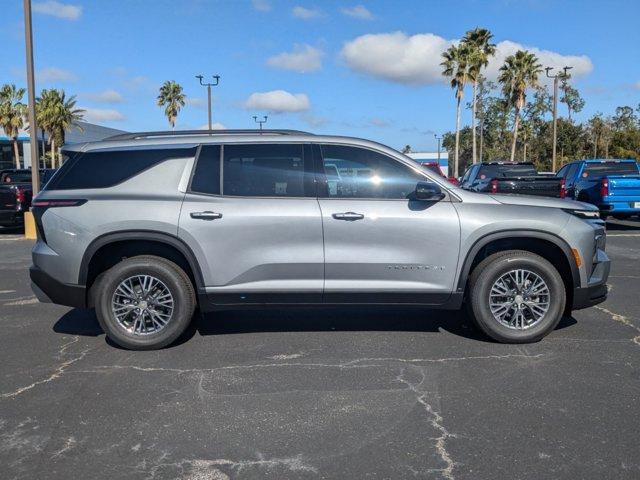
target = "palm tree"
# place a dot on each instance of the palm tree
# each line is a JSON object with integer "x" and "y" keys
{"x": 519, "y": 72}
{"x": 172, "y": 98}
{"x": 56, "y": 114}
{"x": 479, "y": 42}
{"x": 456, "y": 67}
{"x": 12, "y": 113}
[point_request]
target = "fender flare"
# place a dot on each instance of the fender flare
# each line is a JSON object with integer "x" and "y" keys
{"x": 149, "y": 235}
{"x": 536, "y": 234}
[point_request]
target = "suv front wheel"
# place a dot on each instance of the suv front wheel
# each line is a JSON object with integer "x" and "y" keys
{"x": 144, "y": 302}
{"x": 516, "y": 296}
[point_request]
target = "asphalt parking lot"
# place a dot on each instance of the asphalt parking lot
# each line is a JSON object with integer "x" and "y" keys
{"x": 332, "y": 393}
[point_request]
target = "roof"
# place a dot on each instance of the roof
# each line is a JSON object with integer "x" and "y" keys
{"x": 607, "y": 160}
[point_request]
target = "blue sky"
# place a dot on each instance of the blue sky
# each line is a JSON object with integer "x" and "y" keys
{"x": 365, "y": 68}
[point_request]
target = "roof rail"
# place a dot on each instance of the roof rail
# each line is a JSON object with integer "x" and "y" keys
{"x": 203, "y": 133}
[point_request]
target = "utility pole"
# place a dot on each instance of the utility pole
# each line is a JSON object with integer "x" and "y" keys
{"x": 264, "y": 120}
{"x": 209, "y": 85}
{"x": 556, "y": 79}
{"x": 33, "y": 127}
{"x": 438, "y": 138}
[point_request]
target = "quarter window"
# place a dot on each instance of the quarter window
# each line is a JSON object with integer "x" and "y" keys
{"x": 206, "y": 177}
{"x": 266, "y": 170}
{"x": 102, "y": 169}
{"x": 353, "y": 172}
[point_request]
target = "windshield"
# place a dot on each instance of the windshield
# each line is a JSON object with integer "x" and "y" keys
{"x": 599, "y": 170}
{"x": 506, "y": 170}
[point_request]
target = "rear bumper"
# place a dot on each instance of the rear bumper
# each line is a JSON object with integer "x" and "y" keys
{"x": 49, "y": 290}
{"x": 619, "y": 207}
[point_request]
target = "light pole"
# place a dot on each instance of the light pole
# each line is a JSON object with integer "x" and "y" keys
{"x": 33, "y": 128}
{"x": 264, "y": 120}
{"x": 438, "y": 138}
{"x": 209, "y": 85}
{"x": 556, "y": 78}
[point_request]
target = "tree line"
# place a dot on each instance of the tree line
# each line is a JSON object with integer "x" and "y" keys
{"x": 510, "y": 119}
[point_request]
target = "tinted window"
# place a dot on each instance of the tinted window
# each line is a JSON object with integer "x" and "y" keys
{"x": 363, "y": 173}
{"x": 269, "y": 170}
{"x": 206, "y": 177}
{"x": 599, "y": 170}
{"x": 106, "y": 169}
{"x": 487, "y": 172}
{"x": 563, "y": 171}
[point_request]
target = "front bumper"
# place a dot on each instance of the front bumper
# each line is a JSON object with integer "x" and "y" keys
{"x": 596, "y": 290}
{"x": 49, "y": 290}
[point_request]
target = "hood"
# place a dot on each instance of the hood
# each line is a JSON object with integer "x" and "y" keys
{"x": 533, "y": 201}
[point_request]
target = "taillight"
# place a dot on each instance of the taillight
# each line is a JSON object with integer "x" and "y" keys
{"x": 58, "y": 203}
{"x": 20, "y": 196}
{"x": 494, "y": 186}
{"x": 563, "y": 188}
{"x": 604, "y": 187}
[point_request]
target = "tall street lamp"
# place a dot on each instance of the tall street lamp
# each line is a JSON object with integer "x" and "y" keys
{"x": 438, "y": 138}
{"x": 556, "y": 79}
{"x": 209, "y": 85}
{"x": 33, "y": 128}
{"x": 264, "y": 120}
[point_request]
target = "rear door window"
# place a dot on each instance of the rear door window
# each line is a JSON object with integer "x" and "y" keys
{"x": 103, "y": 169}
{"x": 206, "y": 176}
{"x": 267, "y": 170}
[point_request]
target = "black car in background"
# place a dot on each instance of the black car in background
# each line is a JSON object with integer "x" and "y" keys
{"x": 511, "y": 177}
{"x": 16, "y": 193}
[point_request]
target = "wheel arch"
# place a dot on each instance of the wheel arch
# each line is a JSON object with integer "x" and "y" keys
{"x": 103, "y": 252}
{"x": 545, "y": 244}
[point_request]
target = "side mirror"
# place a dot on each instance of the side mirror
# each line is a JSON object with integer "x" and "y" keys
{"x": 427, "y": 191}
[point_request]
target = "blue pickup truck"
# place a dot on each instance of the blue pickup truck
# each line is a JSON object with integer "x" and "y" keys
{"x": 612, "y": 185}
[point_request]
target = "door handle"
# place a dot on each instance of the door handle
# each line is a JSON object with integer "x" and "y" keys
{"x": 207, "y": 215}
{"x": 349, "y": 216}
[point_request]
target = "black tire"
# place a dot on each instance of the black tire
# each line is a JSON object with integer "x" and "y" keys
{"x": 172, "y": 276}
{"x": 489, "y": 271}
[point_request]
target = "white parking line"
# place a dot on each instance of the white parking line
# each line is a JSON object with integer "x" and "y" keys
{"x": 623, "y": 234}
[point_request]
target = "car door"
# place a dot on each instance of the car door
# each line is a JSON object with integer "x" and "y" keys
{"x": 252, "y": 218}
{"x": 380, "y": 246}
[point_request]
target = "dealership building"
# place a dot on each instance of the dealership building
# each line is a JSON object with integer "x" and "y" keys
{"x": 88, "y": 132}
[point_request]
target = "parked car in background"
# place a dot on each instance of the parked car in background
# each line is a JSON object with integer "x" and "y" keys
{"x": 15, "y": 194}
{"x": 435, "y": 168}
{"x": 510, "y": 177}
{"x": 145, "y": 227}
{"x": 611, "y": 185}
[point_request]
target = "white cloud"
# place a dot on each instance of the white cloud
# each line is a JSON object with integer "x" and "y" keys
{"x": 315, "y": 121}
{"x": 102, "y": 115}
{"x": 214, "y": 126}
{"x": 107, "y": 96}
{"x": 196, "y": 102}
{"x": 415, "y": 59}
{"x": 55, "y": 74}
{"x": 306, "y": 13}
{"x": 278, "y": 101}
{"x": 261, "y": 5}
{"x": 581, "y": 64}
{"x": 359, "y": 11}
{"x": 304, "y": 58}
{"x": 378, "y": 122}
{"x": 57, "y": 9}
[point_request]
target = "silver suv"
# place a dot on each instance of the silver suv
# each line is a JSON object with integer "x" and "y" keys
{"x": 148, "y": 227}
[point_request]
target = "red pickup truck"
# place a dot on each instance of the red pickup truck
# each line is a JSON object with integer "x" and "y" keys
{"x": 16, "y": 193}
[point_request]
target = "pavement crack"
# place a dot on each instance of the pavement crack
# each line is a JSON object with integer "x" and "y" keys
{"x": 616, "y": 317}
{"x": 437, "y": 422}
{"x": 57, "y": 373}
{"x": 356, "y": 363}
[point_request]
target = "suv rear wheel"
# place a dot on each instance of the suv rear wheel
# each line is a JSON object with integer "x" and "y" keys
{"x": 516, "y": 296}
{"x": 144, "y": 302}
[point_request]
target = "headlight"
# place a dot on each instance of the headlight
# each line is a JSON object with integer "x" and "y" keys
{"x": 586, "y": 214}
